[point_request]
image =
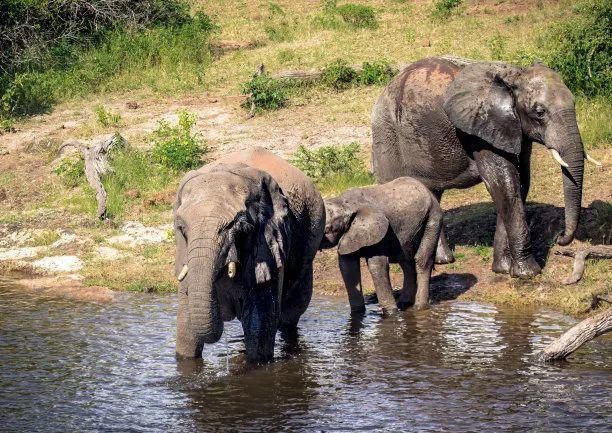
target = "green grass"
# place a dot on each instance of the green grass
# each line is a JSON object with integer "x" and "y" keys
{"x": 107, "y": 118}
{"x": 443, "y": 9}
{"x": 594, "y": 121}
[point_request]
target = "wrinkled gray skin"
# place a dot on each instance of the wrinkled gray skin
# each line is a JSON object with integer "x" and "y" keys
{"x": 256, "y": 210}
{"x": 453, "y": 127}
{"x": 396, "y": 222}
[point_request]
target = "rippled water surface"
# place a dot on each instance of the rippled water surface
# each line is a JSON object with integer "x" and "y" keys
{"x": 71, "y": 366}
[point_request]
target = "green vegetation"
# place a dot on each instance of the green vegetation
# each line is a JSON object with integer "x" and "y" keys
{"x": 339, "y": 75}
{"x": 177, "y": 147}
{"x": 71, "y": 171}
{"x": 107, "y": 118}
{"x": 265, "y": 93}
{"x": 580, "y": 48}
{"x": 278, "y": 27}
{"x": 334, "y": 168}
{"x": 443, "y": 9}
{"x": 357, "y": 16}
{"x": 77, "y": 49}
{"x": 43, "y": 238}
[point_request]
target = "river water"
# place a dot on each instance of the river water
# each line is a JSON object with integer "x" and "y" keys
{"x": 68, "y": 366}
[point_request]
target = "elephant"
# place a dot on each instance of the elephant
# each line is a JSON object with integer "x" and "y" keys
{"x": 452, "y": 123}
{"x": 247, "y": 229}
{"x": 397, "y": 222}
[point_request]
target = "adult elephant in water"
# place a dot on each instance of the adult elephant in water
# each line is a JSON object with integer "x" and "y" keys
{"x": 452, "y": 123}
{"x": 247, "y": 229}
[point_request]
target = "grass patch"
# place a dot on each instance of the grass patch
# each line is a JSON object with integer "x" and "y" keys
{"x": 443, "y": 9}
{"x": 334, "y": 168}
{"x": 594, "y": 120}
{"x": 357, "y": 16}
{"x": 265, "y": 92}
{"x": 43, "y": 238}
{"x": 178, "y": 147}
{"x": 107, "y": 118}
{"x": 71, "y": 171}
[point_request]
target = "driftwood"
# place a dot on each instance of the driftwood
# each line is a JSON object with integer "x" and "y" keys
{"x": 576, "y": 336}
{"x": 594, "y": 252}
{"x": 97, "y": 165}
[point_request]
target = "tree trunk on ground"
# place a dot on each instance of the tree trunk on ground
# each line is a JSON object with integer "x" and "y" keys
{"x": 576, "y": 336}
{"x": 594, "y": 252}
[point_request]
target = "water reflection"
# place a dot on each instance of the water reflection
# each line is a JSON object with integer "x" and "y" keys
{"x": 69, "y": 366}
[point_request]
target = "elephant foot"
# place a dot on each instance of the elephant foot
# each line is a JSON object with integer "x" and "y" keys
{"x": 358, "y": 309}
{"x": 444, "y": 257}
{"x": 527, "y": 269}
{"x": 501, "y": 265}
{"x": 390, "y": 311}
{"x": 421, "y": 306}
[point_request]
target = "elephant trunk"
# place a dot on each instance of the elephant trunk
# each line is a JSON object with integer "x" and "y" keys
{"x": 567, "y": 142}
{"x": 204, "y": 311}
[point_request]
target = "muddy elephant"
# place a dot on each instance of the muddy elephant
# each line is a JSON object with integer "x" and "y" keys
{"x": 452, "y": 123}
{"x": 397, "y": 222}
{"x": 247, "y": 229}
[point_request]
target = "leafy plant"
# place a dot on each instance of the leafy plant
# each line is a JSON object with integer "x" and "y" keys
{"x": 443, "y": 9}
{"x": 379, "y": 72}
{"x": 71, "y": 170}
{"x": 497, "y": 47}
{"x": 339, "y": 75}
{"x": 580, "y": 49}
{"x": 106, "y": 117}
{"x": 334, "y": 168}
{"x": 357, "y": 16}
{"x": 177, "y": 147}
{"x": 265, "y": 92}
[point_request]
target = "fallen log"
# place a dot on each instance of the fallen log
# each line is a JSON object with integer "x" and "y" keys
{"x": 580, "y": 256}
{"x": 315, "y": 74}
{"x": 576, "y": 336}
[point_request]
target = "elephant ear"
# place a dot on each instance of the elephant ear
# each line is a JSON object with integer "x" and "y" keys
{"x": 271, "y": 213}
{"x": 480, "y": 102}
{"x": 368, "y": 227}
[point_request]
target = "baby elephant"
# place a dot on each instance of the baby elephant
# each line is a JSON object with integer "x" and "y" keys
{"x": 397, "y": 222}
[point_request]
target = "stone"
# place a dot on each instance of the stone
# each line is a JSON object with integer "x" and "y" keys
{"x": 108, "y": 253}
{"x": 18, "y": 253}
{"x": 135, "y": 233}
{"x": 57, "y": 264}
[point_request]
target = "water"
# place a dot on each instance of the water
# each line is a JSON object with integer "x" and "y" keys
{"x": 70, "y": 366}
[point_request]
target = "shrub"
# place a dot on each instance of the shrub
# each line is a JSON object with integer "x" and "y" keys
{"x": 357, "y": 16}
{"x": 580, "y": 49}
{"x": 25, "y": 94}
{"x": 106, "y": 117}
{"x": 497, "y": 47}
{"x": 333, "y": 168}
{"x": 265, "y": 92}
{"x": 443, "y": 9}
{"x": 71, "y": 170}
{"x": 379, "y": 72}
{"x": 338, "y": 75}
{"x": 177, "y": 147}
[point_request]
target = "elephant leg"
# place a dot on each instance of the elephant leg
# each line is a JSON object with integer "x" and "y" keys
{"x": 502, "y": 260}
{"x": 351, "y": 275}
{"x": 408, "y": 293}
{"x": 444, "y": 254}
{"x": 379, "y": 269}
{"x": 502, "y": 179}
{"x": 187, "y": 345}
{"x": 297, "y": 293}
{"x": 425, "y": 256}
{"x": 260, "y": 317}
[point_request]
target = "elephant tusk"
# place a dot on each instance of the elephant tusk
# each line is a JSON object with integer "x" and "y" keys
{"x": 593, "y": 160}
{"x": 231, "y": 269}
{"x": 183, "y": 273}
{"x": 558, "y": 158}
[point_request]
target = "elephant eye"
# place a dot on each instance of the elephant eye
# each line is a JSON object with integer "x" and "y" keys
{"x": 540, "y": 111}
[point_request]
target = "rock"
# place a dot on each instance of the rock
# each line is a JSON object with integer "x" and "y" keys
{"x": 19, "y": 253}
{"x": 57, "y": 264}
{"x": 65, "y": 239}
{"x": 108, "y": 253}
{"x": 135, "y": 233}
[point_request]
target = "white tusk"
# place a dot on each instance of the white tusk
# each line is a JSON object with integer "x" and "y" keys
{"x": 231, "y": 269}
{"x": 183, "y": 273}
{"x": 558, "y": 158}
{"x": 593, "y": 160}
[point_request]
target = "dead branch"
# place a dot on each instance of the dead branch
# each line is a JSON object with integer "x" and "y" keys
{"x": 576, "y": 336}
{"x": 580, "y": 256}
{"x": 96, "y": 165}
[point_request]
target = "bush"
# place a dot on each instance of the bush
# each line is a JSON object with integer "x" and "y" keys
{"x": 357, "y": 16}
{"x": 25, "y": 94}
{"x": 106, "y": 117}
{"x": 379, "y": 72}
{"x": 497, "y": 47}
{"x": 177, "y": 147}
{"x": 444, "y": 8}
{"x": 338, "y": 75}
{"x": 580, "y": 49}
{"x": 265, "y": 92}
{"x": 71, "y": 170}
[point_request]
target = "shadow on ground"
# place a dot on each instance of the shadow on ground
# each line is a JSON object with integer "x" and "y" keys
{"x": 474, "y": 224}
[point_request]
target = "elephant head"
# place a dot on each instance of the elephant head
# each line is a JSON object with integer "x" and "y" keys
{"x": 351, "y": 226}
{"x": 505, "y": 106}
{"x": 232, "y": 224}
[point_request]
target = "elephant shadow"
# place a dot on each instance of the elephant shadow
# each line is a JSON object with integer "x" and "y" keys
{"x": 474, "y": 224}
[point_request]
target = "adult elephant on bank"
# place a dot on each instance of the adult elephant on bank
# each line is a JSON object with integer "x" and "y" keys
{"x": 452, "y": 124}
{"x": 247, "y": 229}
